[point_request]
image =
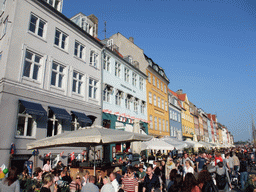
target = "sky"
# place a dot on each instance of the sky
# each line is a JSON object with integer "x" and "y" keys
{"x": 207, "y": 48}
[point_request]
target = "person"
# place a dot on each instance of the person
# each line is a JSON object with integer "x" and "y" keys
{"x": 114, "y": 182}
{"x": 130, "y": 183}
{"x": 222, "y": 176}
{"x": 47, "y": 167}
{"x": 23, "y": 177}
{"x": 185, "y": 158}
{"x": 200, "y": 162}
{"x": 190, "y": 184}
{"x": 236, "y": 164}
{"x": 47, "y": 182}
{"x": 114, "y": 161}
{"x": 118, "y": 172}
{"x": 120, "y": 161}
{"x": 59, "y": 166}
{"x": 188, "y": 168}
{"x": 76, "y": 185}
{"x": 172, "y": 176}
{"x": 11, "y": 183}
{"x": 142, "y": 173}
{"x": 205, "y": 182}
{"x": 243, "y": 172}
{"x": 177, "y": 185}
{"x": 218, "y": 158}
{"x": 30, "y": 168}
{"x": 163, "y": 175}
{"x": 90, "y": 187}
{"x": 231, "y": 163}
{"x": 151, "y": 181}
{"x": 65, "y": 177}
{"x": 107, "y": 187}
{"x": 168, "y": 167}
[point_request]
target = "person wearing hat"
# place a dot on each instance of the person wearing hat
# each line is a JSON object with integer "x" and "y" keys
{"x": 118, "y": 172}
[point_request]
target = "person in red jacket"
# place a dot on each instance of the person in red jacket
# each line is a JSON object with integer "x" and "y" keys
{"x": 218, "y": 158}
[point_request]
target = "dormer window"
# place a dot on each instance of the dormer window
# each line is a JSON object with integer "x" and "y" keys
{"x": 150, "y": 62}
{"x": 155, "y": 67}
{"x": 130, "y": 59}
{"x": 57, "y": 4}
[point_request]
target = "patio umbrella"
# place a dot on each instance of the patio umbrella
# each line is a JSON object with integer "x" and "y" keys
{"x": 195, "y": 144}
{"x": 89, "y": 136}
{"x": 156, "y": 144}
{"x": 178, "y": 144}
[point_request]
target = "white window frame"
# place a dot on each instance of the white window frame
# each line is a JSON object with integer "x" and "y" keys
{"x": 160, "y": 124}
{"x": 58, "y": 75}
{"x": 165, "y": 89}
{"x": 135, "y": 105}
{"x": 94, "y": 58}
{"x": 118, "y": 98}
{"x": 154, "y": 100}
{"x": 59, "y": 124}
{"x": 76, "y": 124}
{"x": 128, "y": 102}
{"x": 142, "y": 107}
{"x": 157, "y": 82}
{"x": 178, "y": 117}
{"x": 141, "y": 83}
{"x": 159, "y": 102}
{"x": 155, "y": 122}
{"x": 117, "y": 69}
{"x": 38, "y": 21}
{"x": 79, "y": 50}
{"x": 4, "y": 5}
{"x": 126, "y": 74}
{"x": 134, "y": 79}
{"x": 162, "y": 104}
{"x": 163, "y": 125}
{"x": 166, "y": 108}
{"x": 154, "y": 81}
{"x": 150, "y": 97}
{"x": 171, "y": 116}
{"x": 78, "y": 80}
{"x": 58, "y": 6}
{"x": 33, "y": 125}
{"x": 167, "y": 127}
{"x": 106, "y": 62}
{"x": 106, "y": 94}
{"x": 151, "y": 121}
{"x": 149, "y": 77}
{"x": 162, "y": 86}
{"x": 62, "y": 38}
{"x": 4, "y": 27}
{"x": 93, "y": 87}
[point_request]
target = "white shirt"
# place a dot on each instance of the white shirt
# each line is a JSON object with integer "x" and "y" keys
{"x": 115, "y": 185}
{"x": 188, "y": 170}
{"x": 47, "y": 168}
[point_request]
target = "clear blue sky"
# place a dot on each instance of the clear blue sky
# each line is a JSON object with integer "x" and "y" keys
{"x": 207, "y": 48}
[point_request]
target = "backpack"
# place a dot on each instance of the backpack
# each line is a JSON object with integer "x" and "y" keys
{"x": 221, "y": 181}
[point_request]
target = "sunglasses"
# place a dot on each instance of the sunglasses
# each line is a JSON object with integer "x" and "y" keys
{"x": 78, "y": 178}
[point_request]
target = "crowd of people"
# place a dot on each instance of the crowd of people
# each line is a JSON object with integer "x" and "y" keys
{"x": 190, "y": 172}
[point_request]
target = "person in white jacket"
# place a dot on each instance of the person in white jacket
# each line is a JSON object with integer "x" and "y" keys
{"x": 188, "y": 168}
{"x": 114, "y": 182}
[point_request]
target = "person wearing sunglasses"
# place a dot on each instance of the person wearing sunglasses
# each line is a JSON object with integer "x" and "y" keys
{"x": 130, "y": 184}
{"x": 75, "y": 185}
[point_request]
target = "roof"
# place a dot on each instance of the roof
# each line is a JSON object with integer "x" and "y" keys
{"x": 172, "y": 92}
{"x": 182, "y": 97}
{"x": 214, "y": 117}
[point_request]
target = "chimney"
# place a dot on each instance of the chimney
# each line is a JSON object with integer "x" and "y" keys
{"x": 179, "y": 92}
{"x": 131, "y": 39}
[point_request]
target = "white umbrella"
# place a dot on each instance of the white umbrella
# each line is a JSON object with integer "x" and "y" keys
{"x": 178, "y": 144}
{"x": 195, "y": 145}
{"x": 156, "y": 144}
{"x": 90, "y": 136}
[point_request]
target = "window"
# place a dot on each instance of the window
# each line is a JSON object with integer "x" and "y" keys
{"x": 167, "y": 127}
{"x": 61, "y": 39}
{"x": 165, "y": 88}
{"x": 134, "y": 79}
{"x": 155, "y": 123}
{"x": 54, "y": 3}
{"x": 136, "y": 105}
{"x": 4, "y": 4}
{"x": 151, "y": 121}
{"x": 130, "y": 59}
{"x": 154, "y": 81}
{"x": 142, "y": 107}
{"x": 171, "y": 129}
{"x": 93, "y": 59}
{"x": 171, "y": 114}
{"x": 159, "y": 102}
{"x": 106, "y": 94}
{"x": 79, "y": 50}
{"x": 149, "y": 77}
{"x": 4, "y": 29}
{"x": 162, "y": 104}
{"x": 106, "y": 64}
{"x": 77, "y": 82}
{"x": 32, "y": 65}
{"x": 128, "y": 102}
{"x": 162, "y": 86}
{"x": 157, "y": 81}
{"x": 160, "y": 122}
{"x": 93, "y": 87}
{"x": 54, "y": 125}
{"x": 118, "y": 98}
{"x": 165, "y": 105}
{"x": 155, "y": 100}
{"x": 126, "y": 74}
{"x": 57, "y": 75}
{"x": 163, "y": 125}
{"x": 141, "y": 83}
{"x": 26, "y": 124}
{"x": 117, "y": 69}
{"x": 150, "y": 97}
{"x": 37, "y": 26}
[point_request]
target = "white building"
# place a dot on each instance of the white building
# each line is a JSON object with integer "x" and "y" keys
{"x": 50, "y": 77}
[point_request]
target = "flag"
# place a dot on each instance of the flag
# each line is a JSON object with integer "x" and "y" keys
{"x": 83, "y": 152}
{"x": 13, "y": 149}
{"x": 48, "y": 154}
{"x": 61, "y": 153}
{"x": 72, "y": 155}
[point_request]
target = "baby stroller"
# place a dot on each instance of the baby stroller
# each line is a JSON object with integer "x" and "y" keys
{"x": 235, "y": 180}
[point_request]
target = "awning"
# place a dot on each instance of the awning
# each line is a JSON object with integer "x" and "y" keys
{"x": 61, "y": 113}
{"x": 82, "y": 117}
{"x": 33, "y": 108}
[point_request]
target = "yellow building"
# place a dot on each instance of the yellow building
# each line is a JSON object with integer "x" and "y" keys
{"x": 157, "y": 94}
{"x": 188, "y": 127}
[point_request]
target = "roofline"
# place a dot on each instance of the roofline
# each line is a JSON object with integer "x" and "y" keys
{"x": 62, "y": 16}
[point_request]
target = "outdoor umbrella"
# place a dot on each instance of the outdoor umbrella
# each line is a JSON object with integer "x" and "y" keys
{"x": 178, "y": 144}
{"x": 89, "y": 136}
{"x": 156, "y": 144}
{"x": 195, "y": 144}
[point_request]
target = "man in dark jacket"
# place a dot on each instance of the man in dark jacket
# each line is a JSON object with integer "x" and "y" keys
{"x": 243, "y": 172}
{"x": 151, "y": 181}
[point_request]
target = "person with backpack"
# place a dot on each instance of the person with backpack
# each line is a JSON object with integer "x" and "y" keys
{"x": 222, "y": 177}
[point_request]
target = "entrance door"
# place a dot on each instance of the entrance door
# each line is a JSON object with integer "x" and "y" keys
{"x": 19, "y": 164}
{"x": 106, "y": 153}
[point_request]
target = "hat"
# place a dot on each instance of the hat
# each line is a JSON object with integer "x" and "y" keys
{"x": 117, "y": 169}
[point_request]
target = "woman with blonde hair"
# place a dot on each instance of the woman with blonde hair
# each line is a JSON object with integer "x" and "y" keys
{"x": 47, "y": 182}
{"x": 107, "y": 187}
{"x": 76, "y": 184}
{"x": 188, "y": 168}
{"x": 170, "y": 165}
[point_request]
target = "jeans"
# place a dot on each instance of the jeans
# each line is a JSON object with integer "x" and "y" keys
{"x": 243, "y": 179}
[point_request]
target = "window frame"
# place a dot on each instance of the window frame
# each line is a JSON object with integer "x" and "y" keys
{"x": 4, "y": 29}
{"x": 58, "y": 73}
{"x": 26, "y": 124}
{"x": 81, "y": 54}
{"x": 106, "y": 94}
{"x": 155, "y": 122}
{"x": 117, "y": 69}
{"x": 94, "y": 59}
{"x": 157, "y": 82}
{"x": 106, "y": 62}
{"x": 134, "y": 79}
{"x": 151, "y": 121}
{"x": 95, "y": 88}
{"x": 126, "y": 74}
{"x": 155, "y": 102}
{"x": 37, "y": 26}
{"x": 78, "y": 81}
{"x": 154, "y": 81}
{"x": 60, "y": 40}
{"x": 141, "y": 83}
{"x": 135, "y": 105}
{"x": 149, "y": 77}
{"x": 150, "y": 97}
{"x": 118, "y": 98}
{"x": 159, "y": 102}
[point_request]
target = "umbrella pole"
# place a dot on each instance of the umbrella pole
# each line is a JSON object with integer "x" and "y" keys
{"x": 94, "y": 166}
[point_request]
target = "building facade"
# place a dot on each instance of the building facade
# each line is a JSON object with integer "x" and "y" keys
{"x": 175, "y": 115}
{"x": 50, "y": 80}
